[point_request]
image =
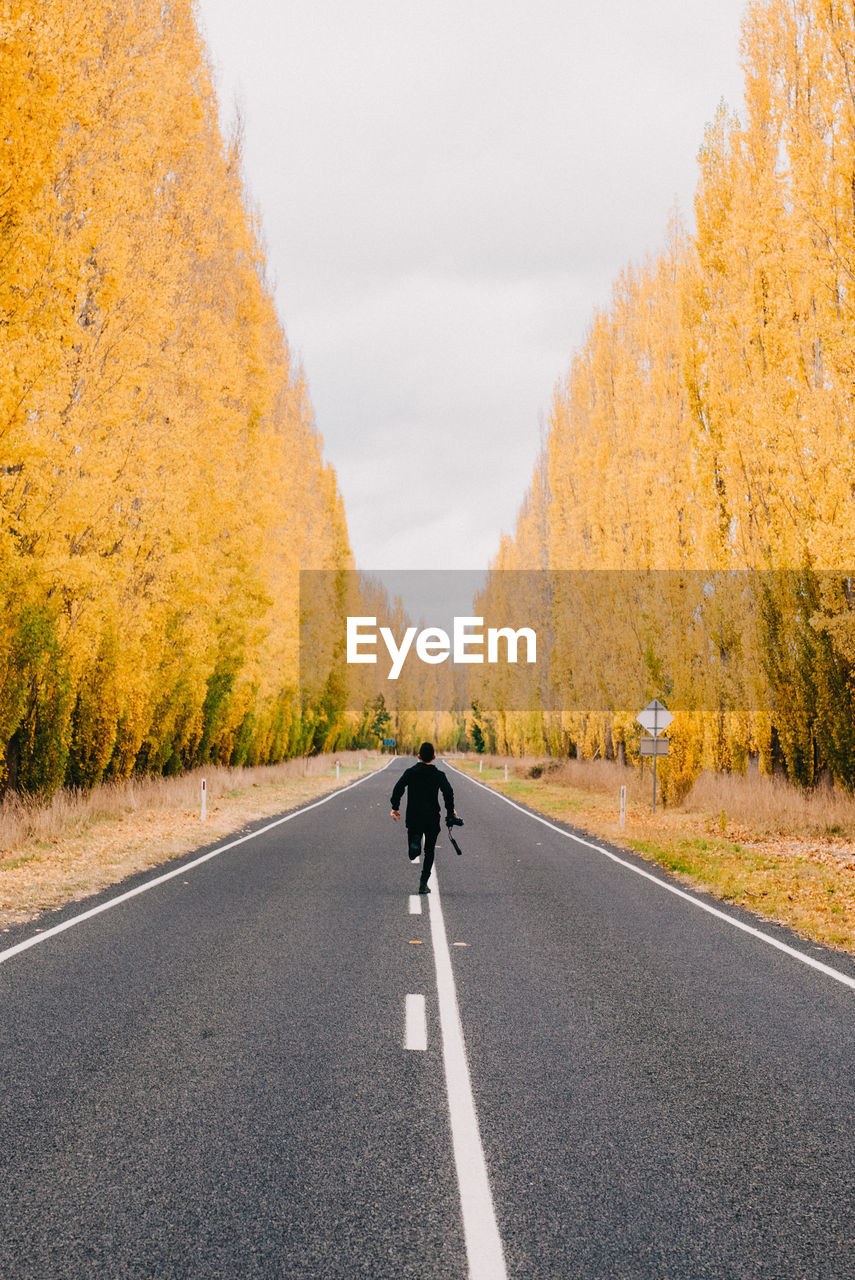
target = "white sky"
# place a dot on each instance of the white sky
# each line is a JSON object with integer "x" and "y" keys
{"x": 448, "y": 190}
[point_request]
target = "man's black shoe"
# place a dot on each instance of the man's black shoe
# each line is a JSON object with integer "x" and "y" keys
{"x": 423, "y": 888}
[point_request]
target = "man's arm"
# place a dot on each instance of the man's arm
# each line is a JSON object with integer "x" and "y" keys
{"x": 447, "y": 794}
{"x": 398, "y": 791}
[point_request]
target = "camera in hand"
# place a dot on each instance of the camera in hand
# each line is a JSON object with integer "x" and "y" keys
{"x": 453, "y": 821}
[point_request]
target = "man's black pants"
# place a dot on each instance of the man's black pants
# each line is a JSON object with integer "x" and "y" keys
{"x": 414, "y": 839}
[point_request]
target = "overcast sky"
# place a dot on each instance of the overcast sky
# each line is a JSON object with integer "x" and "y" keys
{"x": 448, "y": 190}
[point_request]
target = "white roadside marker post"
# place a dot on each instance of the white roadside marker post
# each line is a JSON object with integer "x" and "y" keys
{"x": 623, "y": 806}
{"x": 204, "y": 799}
{"x": 337, "y": 769}
{"x": 480, "y": 765}
{"x": 506, "y": 773}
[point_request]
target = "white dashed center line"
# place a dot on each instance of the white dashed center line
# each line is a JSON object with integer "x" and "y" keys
{"x": 415, "y": 1023}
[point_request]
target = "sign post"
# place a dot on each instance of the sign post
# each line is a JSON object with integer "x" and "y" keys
{"x": 655, "y": 718}
{"x": 204, "y": 799}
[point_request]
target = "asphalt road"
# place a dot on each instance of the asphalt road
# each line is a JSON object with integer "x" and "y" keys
{"x": 210, "y": 1078}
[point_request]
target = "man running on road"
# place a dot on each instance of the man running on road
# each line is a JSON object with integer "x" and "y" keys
{"x": 423, "y": 782}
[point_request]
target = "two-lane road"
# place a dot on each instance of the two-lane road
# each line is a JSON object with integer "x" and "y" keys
{"x": 211, "y": 1078}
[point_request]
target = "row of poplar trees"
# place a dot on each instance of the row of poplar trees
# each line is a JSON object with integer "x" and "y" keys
{"x": 161, "y": 479}
{"x": 706, "y": 426}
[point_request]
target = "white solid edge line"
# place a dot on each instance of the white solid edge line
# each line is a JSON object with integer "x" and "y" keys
{"x": 179, "y": 871}
{"x": 671, "y": 888}
{"x": 415, "y": 1023}
{"x": 415, "y": 905}
{"x": 481, "y": 1233}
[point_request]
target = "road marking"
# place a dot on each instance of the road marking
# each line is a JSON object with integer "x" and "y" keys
{"x": 480, "y": 1231}
{"x": 415, "y": 904}
{"x": 415, "y": 1023}
{"x": 179, "y": 871}
{"x": 671, "y": 888}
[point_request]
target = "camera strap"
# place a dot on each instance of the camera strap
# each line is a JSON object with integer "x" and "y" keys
{"x": 453, "y": 841}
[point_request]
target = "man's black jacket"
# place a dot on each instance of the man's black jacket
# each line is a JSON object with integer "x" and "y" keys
{"x": 423, "y": 783}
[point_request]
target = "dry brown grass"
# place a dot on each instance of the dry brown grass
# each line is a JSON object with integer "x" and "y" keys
{"x": 82, "y": 842}
{"x": 772, "y": 806}
{"x": 601, "y": 777}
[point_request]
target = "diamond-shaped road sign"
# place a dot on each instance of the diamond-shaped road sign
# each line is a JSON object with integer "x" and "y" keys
{"x": 655, "y": 717}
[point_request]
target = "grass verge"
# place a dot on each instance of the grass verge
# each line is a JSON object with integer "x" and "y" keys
{"x": 786, "y": 855}
{"x": 82, "y": 842}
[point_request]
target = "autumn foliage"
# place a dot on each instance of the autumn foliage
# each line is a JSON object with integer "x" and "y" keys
{"x": 161, "y": 479}
{"x": 708, "y": 423}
